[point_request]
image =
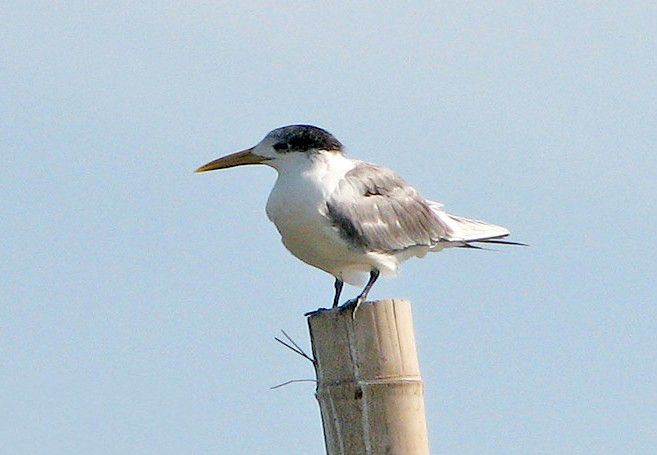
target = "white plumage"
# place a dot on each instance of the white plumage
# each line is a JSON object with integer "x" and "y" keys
{"x": 297, "y": 206}
{"x": 347, "y": 217}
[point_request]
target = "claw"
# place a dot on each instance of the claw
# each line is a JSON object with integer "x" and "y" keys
{"x": 314, "y": 312}
{"x": 351, "y": 304}
{"x": 348, "y": 305}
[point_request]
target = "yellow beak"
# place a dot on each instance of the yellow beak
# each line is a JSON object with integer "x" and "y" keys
{"x": 232, "y": 160}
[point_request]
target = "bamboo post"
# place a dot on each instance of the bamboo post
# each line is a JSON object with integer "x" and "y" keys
{"x": 369, "y": 387}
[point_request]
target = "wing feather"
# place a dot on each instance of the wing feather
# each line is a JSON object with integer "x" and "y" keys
{"x": 376, "y": 210}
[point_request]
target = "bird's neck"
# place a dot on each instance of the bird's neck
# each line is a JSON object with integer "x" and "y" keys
{"x": 321, "y": 171}
{"x": 303, "y": 186}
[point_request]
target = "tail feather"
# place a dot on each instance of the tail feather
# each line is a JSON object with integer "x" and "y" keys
{"x": 502, "y": 242}
{"x": 459, "y": 229}
{"x": 463, "y": 232}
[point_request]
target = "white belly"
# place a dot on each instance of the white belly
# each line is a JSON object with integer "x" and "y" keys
{"x": 297, "y": 206}
{"x": 313, "y": 244}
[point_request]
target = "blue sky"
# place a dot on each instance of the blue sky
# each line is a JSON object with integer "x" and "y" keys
{"x": 139, "y": 300}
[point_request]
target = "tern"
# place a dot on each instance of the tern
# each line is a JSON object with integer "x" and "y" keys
{"x": 347, "y": 217}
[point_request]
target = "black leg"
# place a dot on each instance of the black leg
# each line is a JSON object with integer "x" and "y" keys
{"x": 374, "y": 274}
{"x": 338, "y": 291}
{"x": 355, "y": 303}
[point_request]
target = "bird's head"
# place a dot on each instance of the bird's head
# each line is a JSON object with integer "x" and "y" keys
{"x": 285, "y": 144}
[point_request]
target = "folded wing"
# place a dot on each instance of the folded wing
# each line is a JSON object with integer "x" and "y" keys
{"x": 376, "y": 210}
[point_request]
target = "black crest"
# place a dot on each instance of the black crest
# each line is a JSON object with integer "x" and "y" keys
{"x": 301, "y": 138}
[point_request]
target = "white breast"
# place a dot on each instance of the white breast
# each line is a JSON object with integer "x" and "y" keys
{"x": 297, "y": 206}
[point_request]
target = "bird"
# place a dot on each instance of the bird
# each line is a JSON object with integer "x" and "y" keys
{"x": 347, "y": 217}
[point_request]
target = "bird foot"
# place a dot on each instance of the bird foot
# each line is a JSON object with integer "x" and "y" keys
{"x": 348, "y": 305}
{"x": 351, "y": 305}
{"x": 317, "y": 311}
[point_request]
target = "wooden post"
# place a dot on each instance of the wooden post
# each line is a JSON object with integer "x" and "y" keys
{"x": 369, "y": 386}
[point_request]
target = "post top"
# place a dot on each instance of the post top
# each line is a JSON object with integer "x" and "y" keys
{"x": 376, "y": 344}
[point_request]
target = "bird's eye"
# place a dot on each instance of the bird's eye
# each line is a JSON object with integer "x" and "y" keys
{"x": 280, "y": 146}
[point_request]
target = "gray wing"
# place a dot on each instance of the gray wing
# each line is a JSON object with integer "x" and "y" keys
{"x": 376, "y": 210}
